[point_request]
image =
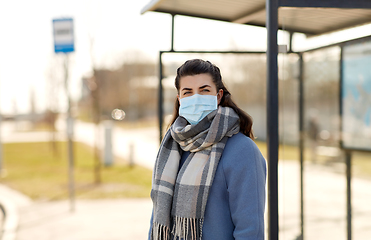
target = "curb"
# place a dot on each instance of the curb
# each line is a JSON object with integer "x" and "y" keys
{"x": 11, "y": 219}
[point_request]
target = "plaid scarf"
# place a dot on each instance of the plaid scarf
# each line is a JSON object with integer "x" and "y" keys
{"x": 179, "y": 198}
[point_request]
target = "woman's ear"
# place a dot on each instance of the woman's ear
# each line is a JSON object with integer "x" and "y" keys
{"x": 219, "y": 95}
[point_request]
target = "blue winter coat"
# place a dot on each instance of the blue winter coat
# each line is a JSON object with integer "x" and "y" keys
{"x": 236, "y": 202}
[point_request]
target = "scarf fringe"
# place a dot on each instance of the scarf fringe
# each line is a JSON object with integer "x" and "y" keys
{"x": 160, "y": 232}
{"x": 187, "y": 228}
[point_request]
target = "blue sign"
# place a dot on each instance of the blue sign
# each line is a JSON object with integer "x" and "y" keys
{"x": 63, "y": 35}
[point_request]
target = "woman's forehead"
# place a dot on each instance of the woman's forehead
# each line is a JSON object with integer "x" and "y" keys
{"x": 195, "y": 81}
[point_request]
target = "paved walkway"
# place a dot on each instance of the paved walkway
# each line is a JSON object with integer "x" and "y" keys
{"x": 324, "y": 203}
{"x": 92, "y": 220}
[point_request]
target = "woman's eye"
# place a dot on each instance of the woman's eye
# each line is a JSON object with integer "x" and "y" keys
{"x": 185, "y": 93}
{"x": 206, "y": 90}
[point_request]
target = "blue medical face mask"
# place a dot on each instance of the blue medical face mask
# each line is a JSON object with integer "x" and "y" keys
{"x": 196, "y": 107}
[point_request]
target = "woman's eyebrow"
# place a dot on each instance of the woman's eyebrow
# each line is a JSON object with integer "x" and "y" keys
{"x": 204, "y": 86}
{"x": 186, "y": 89}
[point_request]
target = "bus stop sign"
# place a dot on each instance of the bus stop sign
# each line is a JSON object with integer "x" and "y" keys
{"x": 63, "y": 35}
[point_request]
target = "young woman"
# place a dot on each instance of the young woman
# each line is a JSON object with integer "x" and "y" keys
{"x": 209, "y": 176}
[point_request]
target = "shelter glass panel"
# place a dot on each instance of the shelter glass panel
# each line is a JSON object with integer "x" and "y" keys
{"x": 245, "y": 77}
{"x": 324, "y": 181}
{"x": 356, "y": 96}
{"x": 289, "y": 167}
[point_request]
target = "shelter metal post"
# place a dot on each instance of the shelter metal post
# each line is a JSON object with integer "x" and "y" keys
{"x": 291, "y": 34}
{"x": 160, "y": 98}
{"x": 348, "y": 159}
{"x": 301, "y": 142}
{"x": 172, "y": 32}
{"x": 272, "y": 116}
{"x": 348, "y": 154}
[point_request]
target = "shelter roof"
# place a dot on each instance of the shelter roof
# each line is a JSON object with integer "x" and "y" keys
{"x": 322, "y": 16}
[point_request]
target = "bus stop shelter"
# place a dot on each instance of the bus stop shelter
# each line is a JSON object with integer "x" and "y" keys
{"x": 313, "y": 18}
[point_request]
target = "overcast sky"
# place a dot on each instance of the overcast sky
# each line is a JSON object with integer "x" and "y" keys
{"x": 27, "y": 58}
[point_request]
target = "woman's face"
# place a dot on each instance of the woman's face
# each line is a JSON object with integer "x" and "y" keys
{"x": 201, "y": 84}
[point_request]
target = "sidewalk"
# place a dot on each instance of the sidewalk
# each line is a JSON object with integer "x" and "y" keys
{"x": 324, "y": 203}
{"x": 91, "y": 219}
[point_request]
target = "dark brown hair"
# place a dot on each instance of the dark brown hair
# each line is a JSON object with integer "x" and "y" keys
{"x": 198, "y": 66}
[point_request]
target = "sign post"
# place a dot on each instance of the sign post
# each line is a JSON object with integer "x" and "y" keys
{"x": 64, "y": 43}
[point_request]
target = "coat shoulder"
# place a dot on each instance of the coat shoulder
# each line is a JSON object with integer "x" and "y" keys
{"x": 241, "y": 144}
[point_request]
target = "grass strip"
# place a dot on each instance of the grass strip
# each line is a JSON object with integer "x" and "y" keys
{"x": 41, "y": 171}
